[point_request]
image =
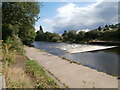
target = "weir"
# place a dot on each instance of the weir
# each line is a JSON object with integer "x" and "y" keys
{"x": 83, "y": 48}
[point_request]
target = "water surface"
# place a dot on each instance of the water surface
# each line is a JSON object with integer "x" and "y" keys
{"x": 102, "y": 60}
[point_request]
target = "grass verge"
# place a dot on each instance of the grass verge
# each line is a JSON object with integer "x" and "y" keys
{"x": 42, "y": 80}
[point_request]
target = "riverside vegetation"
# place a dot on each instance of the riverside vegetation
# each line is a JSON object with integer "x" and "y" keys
{"x": 18, "y": 30}
{"x": 107, "y": 33}
{"x": 21, "y": 72}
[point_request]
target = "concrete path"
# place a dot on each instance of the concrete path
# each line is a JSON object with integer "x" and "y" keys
{"x": 71, "y": 74}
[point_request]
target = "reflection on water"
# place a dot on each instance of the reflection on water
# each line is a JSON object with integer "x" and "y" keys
{"x": 103, "y": 60}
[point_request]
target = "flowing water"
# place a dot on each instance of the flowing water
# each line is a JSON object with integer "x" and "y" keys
{"x": 106, "y": 60}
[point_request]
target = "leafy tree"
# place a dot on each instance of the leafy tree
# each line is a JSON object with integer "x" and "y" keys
{"x": 28, "y": 35}
{"x": 47, "y": 36}
{"x": 56, "y": 37}
{"x": 80, "y": 36}
{"x": 40, "y": 35}
{"x": 17, "y": 16}
{"x": 65, "y": 36}
{"x": 111, "y": 35}
{"x": 72, "y": 35}
{"x": 99, "y": 28}
{"x": 93, "y": 34}
{"x": 65, "y": 33}
{"x": 41, "y": 28}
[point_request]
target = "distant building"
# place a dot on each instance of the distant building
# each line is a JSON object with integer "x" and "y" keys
{"x": 85, "y": 30}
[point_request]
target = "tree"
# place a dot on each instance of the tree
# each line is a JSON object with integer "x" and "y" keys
{"x": 17, "y": 16}
{"x": 47, "y": 36}
{"x": 106, "y": 28}
{"x": 28, "y": 35}
{"x": 65, "y": 33}
{"x": 40, "y": 35}
{"x": 93, "y": 34}
{"x": 65, "y": 36}
{"x": 99, "y": 28}
{"x": 72, "y": 35}
{"x": 56, "y": 37}
{"x": 41, "y": 28}
{"x": 80, "y": 36}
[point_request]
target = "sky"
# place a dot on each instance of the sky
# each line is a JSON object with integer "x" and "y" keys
{"x": 59, "y": 16}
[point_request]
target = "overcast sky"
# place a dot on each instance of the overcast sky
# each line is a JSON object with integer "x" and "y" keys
{"x": 60, "y": 16}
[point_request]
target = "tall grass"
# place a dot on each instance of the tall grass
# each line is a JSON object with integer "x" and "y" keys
{"x": 8, "y": 55}
{"x": 16, "y": 44}
{"x": 10, "y": 47}
{"x": 16, "y": 78}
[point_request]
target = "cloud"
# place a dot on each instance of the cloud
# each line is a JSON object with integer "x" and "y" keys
{"x": 74, "y": 17}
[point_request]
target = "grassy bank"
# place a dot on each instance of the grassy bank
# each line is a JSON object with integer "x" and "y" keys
{"x": 20, "y": 72}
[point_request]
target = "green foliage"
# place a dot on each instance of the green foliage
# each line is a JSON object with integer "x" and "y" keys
{"x": 37, "y": 71}
{"x": 55, "y": 37}
{"x": 80, "y": 36}
{"x": 9, "y": 49}
{"x": 65, "y": 33}
{"x": 15, "y": 44}
{"x": 40, "y": 35}
{"x": 19, "y": 18}
{"x": 72, "y": 35}
{"x": 47, "y": 36}
{"x": 99, "y": 28}
{"x": 7, "y": 30}
{"x": 7, "y": 55}
{"x": 65, "y": 38}
{"x": 27, "y": 36}
{"x": 93, "y": 34}
{"x": 32, "y": 66}
{"x": 110, "y": 35}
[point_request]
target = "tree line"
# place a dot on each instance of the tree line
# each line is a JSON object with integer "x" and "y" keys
{"x": 109, "y": 33}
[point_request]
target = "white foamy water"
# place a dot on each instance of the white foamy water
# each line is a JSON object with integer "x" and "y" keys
{"x": 74, "y": 48}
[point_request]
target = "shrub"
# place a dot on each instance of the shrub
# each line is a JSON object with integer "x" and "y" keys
{"x": 16, "y": 44}
{"x": 8, "y": 55}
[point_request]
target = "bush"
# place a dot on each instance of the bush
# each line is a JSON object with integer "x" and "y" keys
{"x": 10, "y": 47}
{"x": 15, "y": 44}
{"x": 8, "y": 55}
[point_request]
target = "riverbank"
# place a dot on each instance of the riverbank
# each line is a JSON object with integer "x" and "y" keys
{"x": 73, "y": 75}
{"x": 22, "y": 72}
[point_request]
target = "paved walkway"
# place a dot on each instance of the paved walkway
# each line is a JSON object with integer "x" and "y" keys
{"x": 73, "y": 75}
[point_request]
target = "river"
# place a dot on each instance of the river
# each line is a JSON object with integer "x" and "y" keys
{"x": 102, "y": 60}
